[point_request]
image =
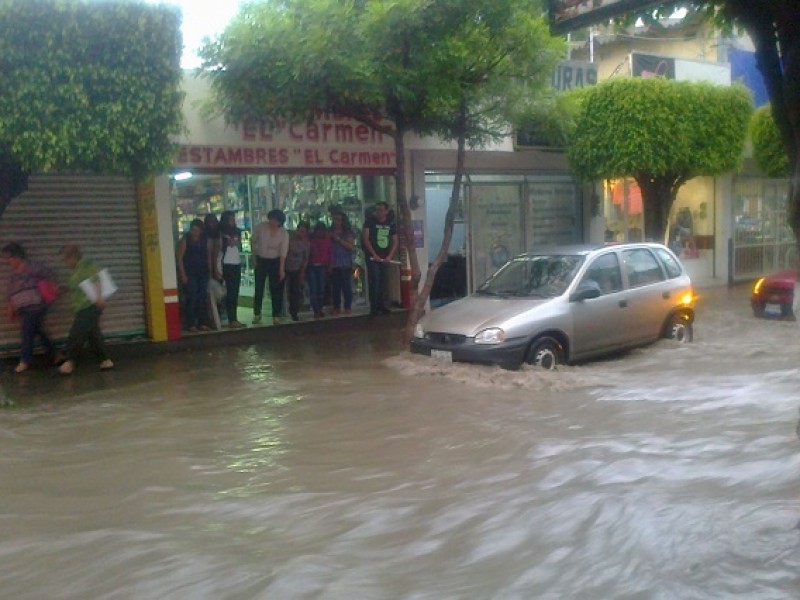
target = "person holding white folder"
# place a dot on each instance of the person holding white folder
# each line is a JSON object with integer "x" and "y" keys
{"x": 88, "y": 288}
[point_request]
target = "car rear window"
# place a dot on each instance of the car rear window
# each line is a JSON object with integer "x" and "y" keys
{"x": 605, "y": 272}
{"x": 670, "y": 263}
{"x": 642, "y": 267}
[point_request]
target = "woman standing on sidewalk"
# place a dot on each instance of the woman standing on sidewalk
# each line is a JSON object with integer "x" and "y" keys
{"x": 343, "y": 240}
{"x": 296, "y": 264}
{"x": 194, "y": 271}
{"x": 25, "y": 303}
{"x": 319, "y": 264}
{"x": 231, "y": 265}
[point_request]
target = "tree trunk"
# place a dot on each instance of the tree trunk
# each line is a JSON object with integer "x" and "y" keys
{"x": 13, "y": 182}
{"x": 658, "y": 196}
{"x": 406, "y": 226}
{"x": 775, "y": 30}
{"x": 452, "y": 207}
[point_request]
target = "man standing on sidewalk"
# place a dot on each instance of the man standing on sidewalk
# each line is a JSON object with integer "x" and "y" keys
{"x": 86, "y": 325}
{"x": 379, "y": 238}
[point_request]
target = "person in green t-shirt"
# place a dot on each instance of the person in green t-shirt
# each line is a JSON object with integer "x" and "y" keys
{"x": 85, "y": 328}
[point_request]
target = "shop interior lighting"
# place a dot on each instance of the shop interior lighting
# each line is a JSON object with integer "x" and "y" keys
{"x": 182, "y": 176}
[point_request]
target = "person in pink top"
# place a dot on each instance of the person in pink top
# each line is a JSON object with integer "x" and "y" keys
{"x": 319, "y": 266}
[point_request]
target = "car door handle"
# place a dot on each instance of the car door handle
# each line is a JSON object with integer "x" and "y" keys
{"x": 623, "y": 304}
{"x": 665, "y": 295}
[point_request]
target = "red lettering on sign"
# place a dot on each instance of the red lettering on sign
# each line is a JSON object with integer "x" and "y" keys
{"x": 249, "y": 131}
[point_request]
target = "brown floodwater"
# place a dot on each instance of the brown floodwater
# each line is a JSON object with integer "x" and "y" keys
{"x": 340, "y": 467}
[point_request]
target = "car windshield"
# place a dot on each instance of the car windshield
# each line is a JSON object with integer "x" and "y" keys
{"x": 542, "y": 276}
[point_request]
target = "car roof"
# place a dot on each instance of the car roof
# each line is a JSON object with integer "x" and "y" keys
{"x": 586, "y": 249}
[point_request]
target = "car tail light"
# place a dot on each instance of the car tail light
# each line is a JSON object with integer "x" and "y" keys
{"x": 757, "y": 286}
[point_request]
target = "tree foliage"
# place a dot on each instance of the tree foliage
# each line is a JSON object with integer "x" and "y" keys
{"x": 768, "y": 148}
{"x": 660, "y": 132}
{"x": 88, "y": 86}
{"x": 774, "y": 28}
{"x": 453, "y": 69}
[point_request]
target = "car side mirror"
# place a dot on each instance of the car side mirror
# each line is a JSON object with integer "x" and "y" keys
{"x": 586, "y": 290}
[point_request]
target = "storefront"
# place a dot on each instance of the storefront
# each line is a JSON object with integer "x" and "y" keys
{"x": 692, "y": 225}
{"x": 307, "y": 198}
{"x": 308, "y": 171}
{"x": 762, "y": 240}
{"x": 511, "y": 202}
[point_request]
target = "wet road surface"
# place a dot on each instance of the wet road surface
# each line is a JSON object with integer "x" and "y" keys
{"x": 338, "y": 466}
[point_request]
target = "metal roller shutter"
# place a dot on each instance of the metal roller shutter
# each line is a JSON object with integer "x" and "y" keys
{"x": 99, "y": 214}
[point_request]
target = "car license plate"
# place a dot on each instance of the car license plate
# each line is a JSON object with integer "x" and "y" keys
{"x": 442, "y": 355}
{"x": 772, "y": 309}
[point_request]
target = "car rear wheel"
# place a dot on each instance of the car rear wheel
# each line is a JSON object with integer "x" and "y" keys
{"x": 545, "y": 353}
{"x": 680, "y": 328}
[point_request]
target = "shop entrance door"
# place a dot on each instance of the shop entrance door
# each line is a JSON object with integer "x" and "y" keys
{"x": 762, "y": 239}
{"x": 495, "y": 227}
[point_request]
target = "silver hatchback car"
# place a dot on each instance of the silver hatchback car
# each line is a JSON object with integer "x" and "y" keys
{"x": 564, "y": 305}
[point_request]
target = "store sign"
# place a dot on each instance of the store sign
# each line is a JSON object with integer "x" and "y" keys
{"x": 646, "y": 66}
{"x": 328, "y": 143}
{"x": 680, "y": 69}
{"x": 574, "y": 74}
{"x": 569, "y": 15}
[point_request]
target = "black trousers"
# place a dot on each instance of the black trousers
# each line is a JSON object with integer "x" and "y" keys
{"x": 268, "y": 268}
{"x": 85, "y": 330}
{"x": 295, "y": 292}
{"x": 232, "y": 274}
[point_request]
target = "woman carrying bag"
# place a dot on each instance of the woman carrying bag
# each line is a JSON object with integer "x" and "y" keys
{"x": 27, "y": 287}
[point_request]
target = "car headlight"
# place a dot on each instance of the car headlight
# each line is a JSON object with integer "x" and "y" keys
{"x": 419, "y": 331}
{"x": 494, "y": 335}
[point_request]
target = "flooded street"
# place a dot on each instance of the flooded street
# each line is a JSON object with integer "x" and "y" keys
{"x": 340, "y": 467}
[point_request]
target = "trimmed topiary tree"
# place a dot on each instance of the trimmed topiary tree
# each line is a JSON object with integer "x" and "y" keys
{"x": 660, "y": 132}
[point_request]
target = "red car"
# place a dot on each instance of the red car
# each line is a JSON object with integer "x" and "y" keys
{"x": 773, "y": 295}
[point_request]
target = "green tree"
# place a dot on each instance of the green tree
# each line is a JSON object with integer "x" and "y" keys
{"x": 446, "y": 68}
{"x": 660, "y": 132}
{"x": 87, "y": 86}
{"x": 768, "y": 147}
{"x": 774, "y": 28}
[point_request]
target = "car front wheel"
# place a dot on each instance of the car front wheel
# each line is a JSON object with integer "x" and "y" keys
{"x": 680, "y": 328}
{"x": 545, "y": 353}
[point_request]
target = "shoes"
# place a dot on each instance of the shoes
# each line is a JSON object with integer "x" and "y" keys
{"x": 106, "y": 365}
{"x": 335, "y": 312}
{"x": 66, "y": 368}
{"x": 21, "y": 367}
{"x": 319, "y": 315}
{"x": 204, "y": 328}
{"x": 295, "y": 318}
{"x": 256, "y": 319}
{"x": 276, "y": 321}
{"x": 348, "y": 311}
{"x": 236, "y": 325}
